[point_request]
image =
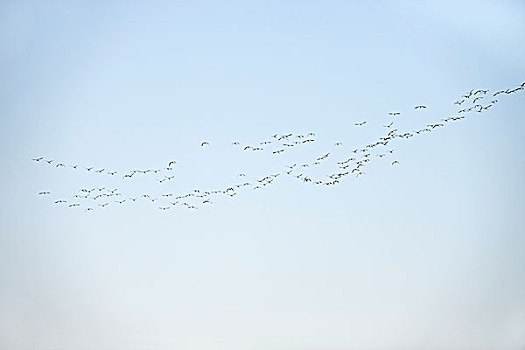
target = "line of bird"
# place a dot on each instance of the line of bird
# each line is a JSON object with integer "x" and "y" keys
{"x": 352, "y": 164}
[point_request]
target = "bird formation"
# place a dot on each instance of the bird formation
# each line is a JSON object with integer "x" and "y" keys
{"x": 351, "y": 165}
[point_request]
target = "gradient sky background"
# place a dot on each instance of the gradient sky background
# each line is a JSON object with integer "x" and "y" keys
{"x": 424, "y": 255}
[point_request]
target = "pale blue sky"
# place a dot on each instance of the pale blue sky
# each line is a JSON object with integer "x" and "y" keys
{"x": 424, "y": 255}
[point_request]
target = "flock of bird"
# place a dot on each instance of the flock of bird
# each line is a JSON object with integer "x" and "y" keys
{"x": 352, "y": 164}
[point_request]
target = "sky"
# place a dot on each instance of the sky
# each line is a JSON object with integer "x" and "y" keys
{"x": 423, "y": 254}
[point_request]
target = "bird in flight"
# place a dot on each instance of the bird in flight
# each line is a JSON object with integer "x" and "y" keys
{"x": 38, "y": 159}
{"x": 394, "y": 113}
{"x": 420, "y": 107}
{"x": 204, "y": 143}
{"x": 359, "y": 124}
{"x": 44, "y": 192}
{"x": 481, "y": 91}
{"x": 468, "y": 95}
{"x": 172, "y": 163}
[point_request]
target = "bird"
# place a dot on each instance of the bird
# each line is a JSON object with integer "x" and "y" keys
{"x": 172, "y": 163}
{"x": 395, "y": 162}
{"x": 468, "y": 95}
{"x": 394, "y": 113}
{"x": 433, "y": 126}
{"x": 38, "y": 159}
{"x": 60, "y": 165}
{"x": 359, "y": 124}
{"x": 203, "y": 143}
{"x": 60, "y": 201}
{"x": 388, "y": 125}
{"x": 44, "y": 193}
{"x": 420, "y": 107}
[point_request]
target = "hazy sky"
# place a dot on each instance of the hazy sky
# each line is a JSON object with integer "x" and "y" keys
{"x": 427, "y": 254}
